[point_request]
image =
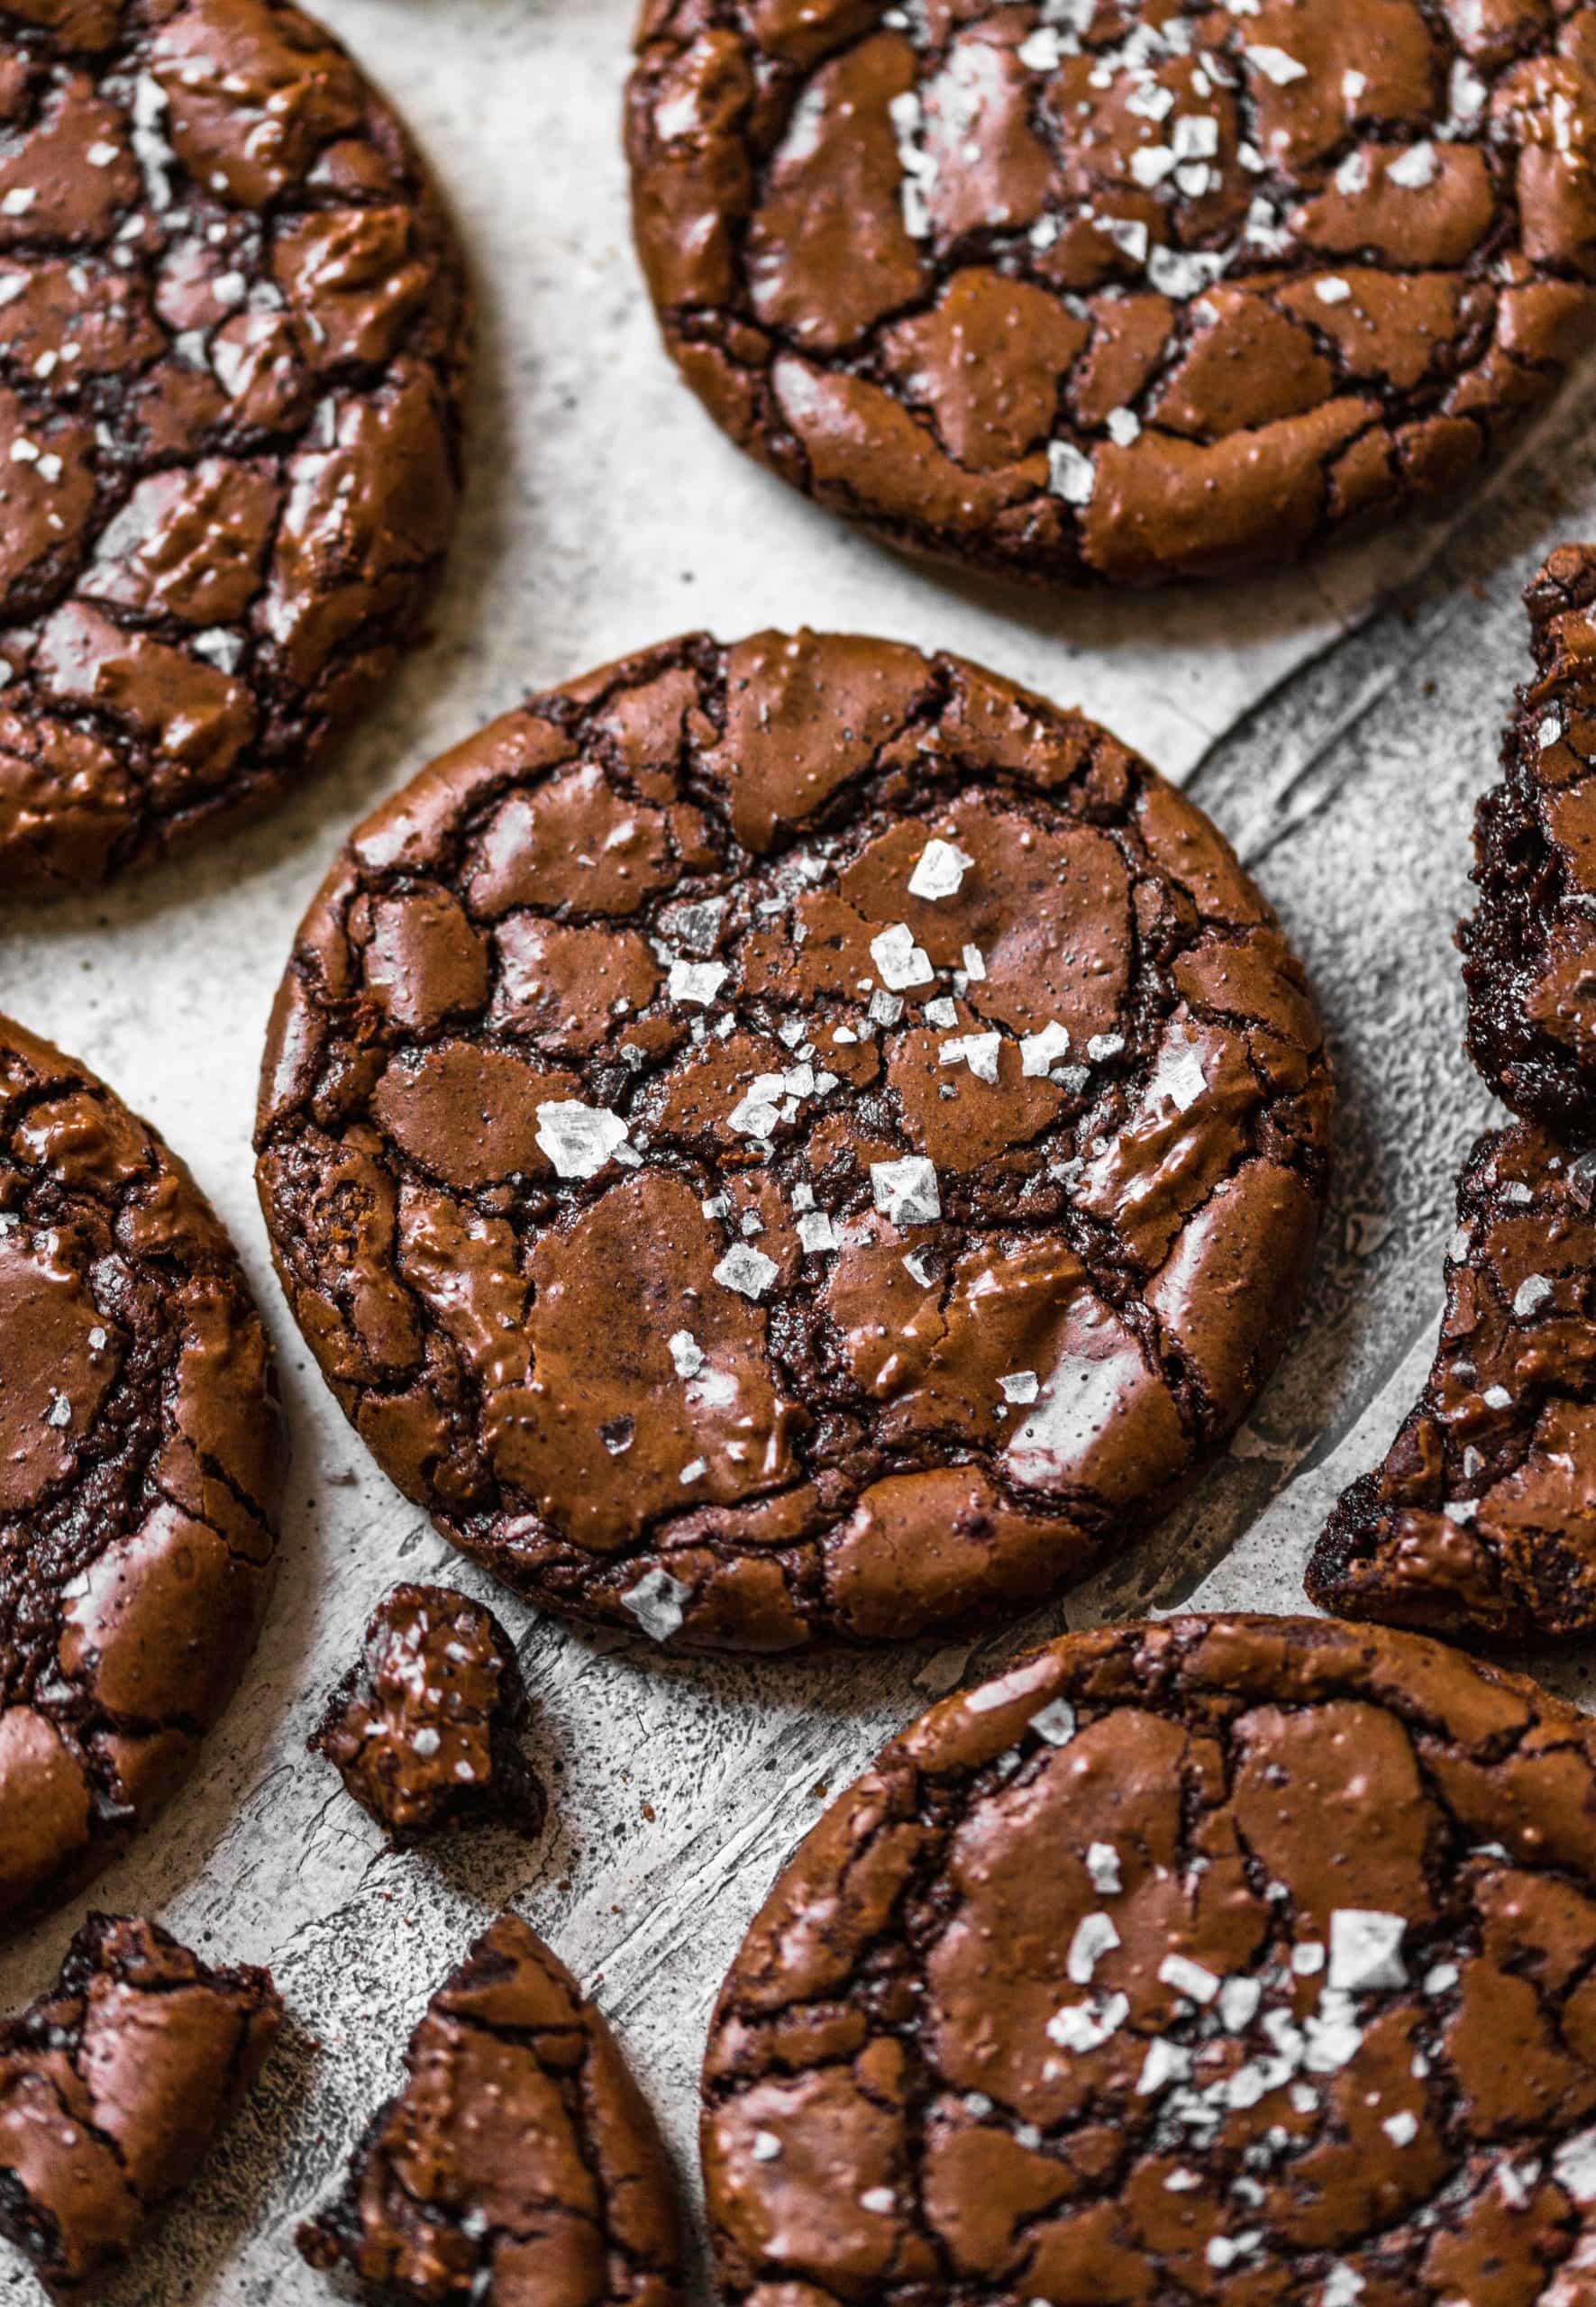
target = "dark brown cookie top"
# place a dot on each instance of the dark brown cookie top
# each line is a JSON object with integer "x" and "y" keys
{"x": 141, "y": 1458}
{"x": 1116, "y": 290}
{"x": 519, "y": 2165}
{"x": 113, "y": 2087}
{"x": 1227, "y": 1958}
{"x": 790, "y": 1139}
{"x": 1482, "y": 1517}
{"x": 424, "y": 1727}
{"x": 232, "y": 349}
{"x": 1530, "y": 947}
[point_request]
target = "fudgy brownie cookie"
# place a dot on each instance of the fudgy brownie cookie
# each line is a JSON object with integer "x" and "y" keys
{"x": 112, "y": 2088}
{"x": 1243, "y": 1958}
{"x": 141, "y": 1459}
{"x": 231, "y": 359}
{"x": 792, "y": 1138}
{"x": 424, "y": 1729}
{"x": 1117, "y": 291}
{"x": 1482, "y": 1517}
{"x": 1530, "y": 947}
{"x": 519, "y": 2165}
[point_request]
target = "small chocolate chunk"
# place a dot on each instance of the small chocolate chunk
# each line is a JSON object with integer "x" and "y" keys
{"x": 1482, "y": 1517}
{"x": 1531, "y": 946}
{"x": 519, "y": 2165}
{"x": 792, "y": 1139}
{"x": 1238, "y": 1959}
{"x": 142, "y": 1463}
{"x": 425, "y": 1728}
{"x": 113, "y": 2086}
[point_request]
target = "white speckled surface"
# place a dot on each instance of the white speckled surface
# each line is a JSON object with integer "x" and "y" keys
{"x": 1340, "y": 744}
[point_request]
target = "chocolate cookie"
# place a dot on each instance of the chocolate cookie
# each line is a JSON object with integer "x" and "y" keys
{"x": 1117, "y": 291}
{"x": 519, "y": 2165}
{"x": 425, "y": 1728}
{"x": 791, "y": 1139}
{"x": 231, "y": 359}
{"x": 1242, "y": 1959}
{"x": 113, "y": 2086}
{"x": 142, "y": 1456}
{"x": 1531, "y": 946}
{"x": 1482, "y": 1517}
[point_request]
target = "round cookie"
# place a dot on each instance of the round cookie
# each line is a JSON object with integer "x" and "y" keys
{"x": 1482, "y": 1518}
{"x": 232, "y": 344}
{"x": 791, "y": 1139}
{"x": 1242, "y": 1959}
{"x": 141, "y": 1458}
{"x": 519, "y": 2163}
{"x": 1530, "y": 946}
{"x": 1115, "y": 291}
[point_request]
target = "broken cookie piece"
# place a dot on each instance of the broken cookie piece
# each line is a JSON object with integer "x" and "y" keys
{"x": 1531, "y": 946}
{"x": 1482, "y": 1517}
{"x": 1234, "y": 1958}
{"x": 112, "y": 2088}
{"x": 792, "y": 1139}
{"x": 425, "y": 1728}
{"x": 518, "y": 2165}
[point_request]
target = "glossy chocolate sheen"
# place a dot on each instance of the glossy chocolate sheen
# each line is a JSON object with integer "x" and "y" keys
{"x": 423, "y": 1727}
{"x": 519, "y": 2165}
{"x": 1482, "y": 1517}
{"x": 1239, "y": 1959}
{"x": 1530, "y": 947}
{"x": 791, "y": 1139}
{"x": 142, "y": 1462}
{"x": 232, "y": 339}
{"x": 113, "y": 2087}
{"x": 1115, "y": 291}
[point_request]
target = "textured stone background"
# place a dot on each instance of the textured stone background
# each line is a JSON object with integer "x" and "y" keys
{"x": 1337, "y": 724}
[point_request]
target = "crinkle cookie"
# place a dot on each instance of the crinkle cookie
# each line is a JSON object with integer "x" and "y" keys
{"x": 1227, "y": 1958}
{"x": 233, "y": 346}
{"x": 792, "y": 1139}
{"x": 142, "y": 1463}
{"x": 1115, "y": 291}
{"x": 1482, "y": 1518}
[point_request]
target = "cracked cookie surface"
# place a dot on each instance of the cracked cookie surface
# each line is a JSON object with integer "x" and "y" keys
{"x": 424, "y": 1729}
{"x": 1115, "y": 291}
{"x": 113, "y": 2086}
{"x": 1225, "y": 1958}
{"x": 790, "y": 1139}
{"x": 232, "y": 339}
{"x": 519, "y": 2165}
{"x": 1531, "y": 946}
{"x": 1482, "y": 1517}
{"x": 142, "y": 1459}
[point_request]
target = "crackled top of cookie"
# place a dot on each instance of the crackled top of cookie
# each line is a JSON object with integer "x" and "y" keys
{"x": 1482, "y": 1516}
{"x": 1225, "y": 1958}
{"x": 141, "y": 1466}
{"x": 231, "y": 355}
{"x": 518, "y": 2163}
{"x": 791, "y": 1137}
{"x": 1531, "y": 945}
{"x": 113, "y": 2085}
{"x": 1116, "y": 290}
